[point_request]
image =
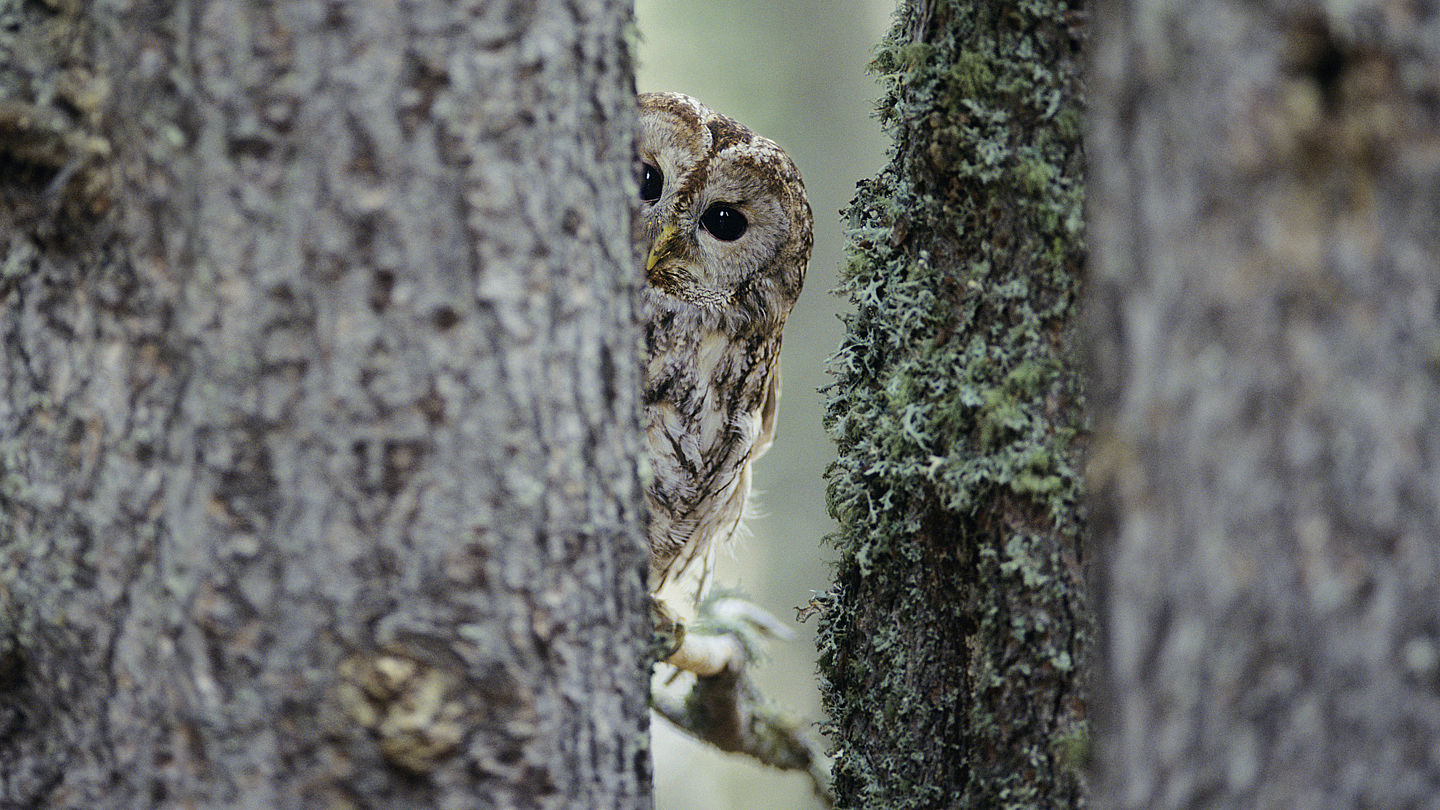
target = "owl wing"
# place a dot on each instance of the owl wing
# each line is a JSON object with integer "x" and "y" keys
{"x": 768, "y": 409}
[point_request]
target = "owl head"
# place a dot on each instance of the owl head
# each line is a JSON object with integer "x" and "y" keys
{"x": 725, "y": 224}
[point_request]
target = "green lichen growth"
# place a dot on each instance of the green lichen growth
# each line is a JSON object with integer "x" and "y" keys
{"x": 953, "y": 642}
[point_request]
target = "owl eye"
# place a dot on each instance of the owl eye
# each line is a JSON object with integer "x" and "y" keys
{"x": 652, "y": 182}
{"x": 724, "y": 222}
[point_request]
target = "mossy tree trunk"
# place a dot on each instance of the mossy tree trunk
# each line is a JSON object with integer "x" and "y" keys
{"x": 953, "y": 641}
{"x": 1263, "y": 321}
{"x": 318, "y": 419}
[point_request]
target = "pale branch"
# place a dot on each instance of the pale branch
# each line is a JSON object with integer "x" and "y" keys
{"x": 727, "y": 711}
{"x": 724, "y": 708}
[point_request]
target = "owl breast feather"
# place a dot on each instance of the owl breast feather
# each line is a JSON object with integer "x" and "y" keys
{"x": 703, "y": 417}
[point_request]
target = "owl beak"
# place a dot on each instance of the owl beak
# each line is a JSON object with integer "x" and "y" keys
{"x": 662, "y": 247}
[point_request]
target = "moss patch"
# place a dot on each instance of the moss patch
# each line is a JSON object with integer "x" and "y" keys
{"x": 952, "y": 642}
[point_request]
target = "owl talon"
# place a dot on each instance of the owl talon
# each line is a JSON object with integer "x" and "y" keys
{"x": 707, "y": 654}
{"x": 726, "y": 635}
{"x": 667, "y": 632}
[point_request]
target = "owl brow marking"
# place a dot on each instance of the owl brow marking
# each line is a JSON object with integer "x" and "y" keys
{"x": 725, "y": 132}
{"x": 696, "y": 176}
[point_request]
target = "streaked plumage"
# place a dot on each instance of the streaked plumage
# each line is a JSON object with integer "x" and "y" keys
{"x": 715, "y": 305}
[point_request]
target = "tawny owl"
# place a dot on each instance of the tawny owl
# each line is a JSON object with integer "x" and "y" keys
{"x": 726, "y": 229}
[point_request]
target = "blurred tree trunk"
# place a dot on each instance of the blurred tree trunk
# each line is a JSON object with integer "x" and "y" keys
{"x": 318, "y": 422}
{"x": 1266, "y": 221}
{"x": 953, "y": 640}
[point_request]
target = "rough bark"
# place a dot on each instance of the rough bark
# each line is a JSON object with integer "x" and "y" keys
{"x": 318, "y": 419}
{"x": 953, "y": 641}
{"x": 1266, "y": 223}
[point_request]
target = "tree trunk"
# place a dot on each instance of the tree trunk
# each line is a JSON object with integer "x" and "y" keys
{"x": 1263, "y": 320}
{"x": 953, "y": 641}
{"x": 319, "y": 429}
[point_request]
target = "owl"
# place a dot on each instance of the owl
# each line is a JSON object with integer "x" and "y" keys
{"x": 725, "y": 227}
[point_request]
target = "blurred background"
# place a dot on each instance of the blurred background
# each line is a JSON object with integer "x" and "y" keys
{"x": 794, "y": 72}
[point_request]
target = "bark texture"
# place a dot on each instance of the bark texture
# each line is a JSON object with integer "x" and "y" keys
{"x": 953, "y": 641}
{"x": 318, "y": 406}
{"x": 1263, "y": 320}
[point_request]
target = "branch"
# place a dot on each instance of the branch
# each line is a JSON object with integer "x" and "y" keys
{"x": 724, "y": 708}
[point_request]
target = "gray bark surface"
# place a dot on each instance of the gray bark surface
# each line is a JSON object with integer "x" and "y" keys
{"x": 1265, "y": 222}
{"x": 318, "y": 407}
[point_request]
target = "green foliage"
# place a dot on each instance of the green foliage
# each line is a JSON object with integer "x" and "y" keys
{"x": 956, "y": 408}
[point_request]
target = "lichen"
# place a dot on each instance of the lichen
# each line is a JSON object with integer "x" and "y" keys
{"x": 952, "y": 643}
